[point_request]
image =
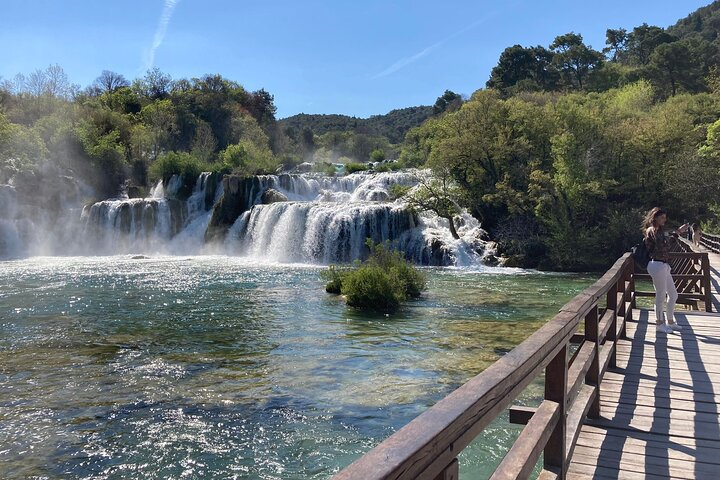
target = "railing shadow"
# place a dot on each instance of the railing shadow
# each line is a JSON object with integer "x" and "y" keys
{"x": 706, "y": 424}
{"x": 612, "y": 446}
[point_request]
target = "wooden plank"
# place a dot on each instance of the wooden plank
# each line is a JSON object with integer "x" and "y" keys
{"x": 680, "y": 427}
{"x": 651, "y": 465}
{"x": 708, "y": 420}
{"x": 648, "y": 385}
{"x": 609, "y": 398}
{"x": 600, "y": 471}
{"x": 661, "y": 392}
{"x": 637, "y": 368}
{"x": 556, "y": 380}
{"x": 576, "y": 372}
{"x": 631, "y": 365}
{"x": 525, "y": 452}
{"x": 605, "y": 321}
{"x": 687, "y": 443}
{"x": 520, "y": 415}
{"x": 670, "y": 449}
{"x": 576, "y": 417}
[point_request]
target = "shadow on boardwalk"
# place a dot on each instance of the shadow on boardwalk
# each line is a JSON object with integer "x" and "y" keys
{"x": 659, "y": 405}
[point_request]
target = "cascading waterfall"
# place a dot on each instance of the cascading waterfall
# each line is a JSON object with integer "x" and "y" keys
{"x": 280, "y": 218}
{"x": 328, "y": 219}
{"x": 158, "y": 224}
{"x": 321, "y": 231}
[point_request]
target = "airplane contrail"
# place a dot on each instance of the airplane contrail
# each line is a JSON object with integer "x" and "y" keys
{"x": 162, "y": 27}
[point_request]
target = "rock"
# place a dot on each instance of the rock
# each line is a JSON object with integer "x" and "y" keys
{"x": 239, "y": 193}
{"x": 140, "y": 257}
{"x": 135, "y": 191}
{"x": 514, "y": 261}
{"x": 491, "y": 260}
{"x": 303, "y": 168}
{"x": 272, "y": 196}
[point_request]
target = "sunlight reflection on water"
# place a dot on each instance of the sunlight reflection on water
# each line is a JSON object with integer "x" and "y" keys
{"x": 219, "y": 367}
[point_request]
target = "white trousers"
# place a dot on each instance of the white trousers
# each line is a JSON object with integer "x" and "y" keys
{"x": 665, "y": 292}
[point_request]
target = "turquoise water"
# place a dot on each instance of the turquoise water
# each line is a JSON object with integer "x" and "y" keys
{"x": 213, "y": 367}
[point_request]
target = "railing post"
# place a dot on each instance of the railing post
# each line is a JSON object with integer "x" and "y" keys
{"x": 612, "y": 332}
{"x": 631, "y": 274}
{"x": 592, "y": 377}
{"x": 451, "y": 472}
{"x": 556, "y": 390}
{"x": 705, "y": 262}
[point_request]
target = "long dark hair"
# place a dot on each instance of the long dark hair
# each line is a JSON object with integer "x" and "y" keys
{"x": 649, "y": 220}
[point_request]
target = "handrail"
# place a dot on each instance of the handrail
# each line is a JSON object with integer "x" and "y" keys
{"x": 427, "y": 447}
{"x": 711, "y": 242}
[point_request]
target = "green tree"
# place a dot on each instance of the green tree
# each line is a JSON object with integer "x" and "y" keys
{"x": 575, "y": 59}
{"x": 448, "y": 101}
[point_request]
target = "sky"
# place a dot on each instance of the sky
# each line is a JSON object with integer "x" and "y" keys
{"x": 360, "y": 58}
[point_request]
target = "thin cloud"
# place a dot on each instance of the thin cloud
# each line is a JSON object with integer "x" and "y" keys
{"x": 404, "y": 62}
{"x": 162, "y": 27}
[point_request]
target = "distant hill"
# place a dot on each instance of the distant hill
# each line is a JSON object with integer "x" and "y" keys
{"x": 703, "y": 23}
{"x": 393, "y": 125}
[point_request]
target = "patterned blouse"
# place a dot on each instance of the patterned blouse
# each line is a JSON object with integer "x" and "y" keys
{"x": 661, "y": 244}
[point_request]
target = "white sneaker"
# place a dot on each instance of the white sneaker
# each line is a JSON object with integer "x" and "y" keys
{"x": 675, "y": 327}
{"x": 662, "y": 328}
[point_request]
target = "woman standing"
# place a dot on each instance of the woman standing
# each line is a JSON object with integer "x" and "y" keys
{"x": 659, "y": 241}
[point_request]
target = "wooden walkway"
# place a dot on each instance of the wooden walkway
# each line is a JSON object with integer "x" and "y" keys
{"x": 660, "y": 407}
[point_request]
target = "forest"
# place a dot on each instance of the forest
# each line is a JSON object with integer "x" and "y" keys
{"x": 558, "y": 155}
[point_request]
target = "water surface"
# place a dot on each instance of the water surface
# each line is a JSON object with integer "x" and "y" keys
{"x": 215, "y": 367}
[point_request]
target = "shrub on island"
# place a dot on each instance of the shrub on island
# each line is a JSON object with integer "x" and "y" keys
{"x": 381, "y": 283}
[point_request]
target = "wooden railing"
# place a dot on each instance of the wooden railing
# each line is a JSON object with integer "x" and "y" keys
{"x": 711, "y": 242}
{"x": 427, "y": 447}
{"x": 691, "y": 272}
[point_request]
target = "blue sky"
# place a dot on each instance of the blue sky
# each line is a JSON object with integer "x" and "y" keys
{"x": 352, "y": 57}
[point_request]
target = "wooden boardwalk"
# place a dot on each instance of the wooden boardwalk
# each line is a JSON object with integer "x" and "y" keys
{"x": 660, "y": 406}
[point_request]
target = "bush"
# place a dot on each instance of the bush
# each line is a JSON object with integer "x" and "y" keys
{"x": 381, "y": 283}
{"x": 356, "y": 167}
{"x": 324, "y": 167}
{"x": 370, "y": 287}
{"x": 246, "y": 158}
{"x": 333, "y": 276}
{"x": 178, "y": 163}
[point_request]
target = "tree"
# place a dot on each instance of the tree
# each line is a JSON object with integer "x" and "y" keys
{"x": 531, "y": 68}
{"x": 438, "y": 194}
{"x": 448, "y": 101}
{"x": 574, "y": 58}
{"x": 155, "y": 85}
{"x": 160, "y": 118}
{"x": 109, "y": 81}
{"x": 643, "y": 40}
{"x": 615, "y": 39}
{"x": 672, "y": 65}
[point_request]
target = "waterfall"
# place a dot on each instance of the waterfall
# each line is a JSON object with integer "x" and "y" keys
{"x": 158, "y": 224}
{"x": 318, "y": 231}
{"x": 328, "y": 219}
{"x": 299, "y": 218}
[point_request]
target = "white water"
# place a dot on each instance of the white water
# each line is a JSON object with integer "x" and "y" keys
{"x": 150, "y": 225}
{"x": 331, "y": 218}
{"x": 325, "y": 220}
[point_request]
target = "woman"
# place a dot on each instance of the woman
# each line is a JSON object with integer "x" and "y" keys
{"x": 659, "y": 241}
{"x": 697, "y": 235}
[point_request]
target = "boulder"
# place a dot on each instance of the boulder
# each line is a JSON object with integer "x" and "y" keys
{"x": 272, "y": 196}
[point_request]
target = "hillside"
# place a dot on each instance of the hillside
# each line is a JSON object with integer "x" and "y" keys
{"x": 703, "y": 23}
{"x": 393, "y": 125}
